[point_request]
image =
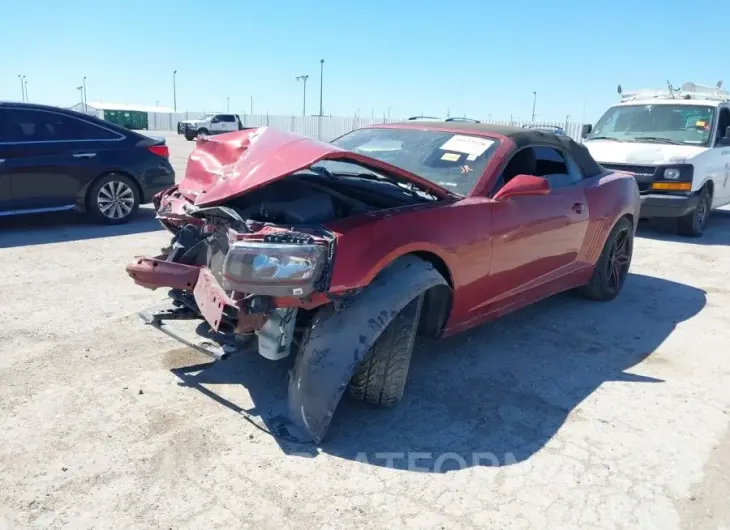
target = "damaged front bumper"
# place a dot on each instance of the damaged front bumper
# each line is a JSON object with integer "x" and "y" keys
{"x": 228, "y": 321}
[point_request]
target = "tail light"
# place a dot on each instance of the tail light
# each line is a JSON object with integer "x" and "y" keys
{"x": 160, "y": 150}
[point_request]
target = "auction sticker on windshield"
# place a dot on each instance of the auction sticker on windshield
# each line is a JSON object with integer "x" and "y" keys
{"x": 470, "y": 145}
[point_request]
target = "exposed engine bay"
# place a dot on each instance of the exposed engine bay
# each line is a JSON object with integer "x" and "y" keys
{"x": 268, "y": 243}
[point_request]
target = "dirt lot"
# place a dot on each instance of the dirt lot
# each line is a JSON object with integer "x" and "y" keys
{"x": 569, "y": 414}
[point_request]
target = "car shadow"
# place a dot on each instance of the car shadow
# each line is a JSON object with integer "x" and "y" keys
{"x": 58, "y": 227}
{"x": 491, "y": 396}
{"x": 717, "y": 232}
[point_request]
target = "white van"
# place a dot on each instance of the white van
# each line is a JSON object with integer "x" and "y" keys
{"x": 676, "y": 142}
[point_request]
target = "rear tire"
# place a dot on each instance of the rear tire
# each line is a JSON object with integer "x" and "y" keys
{"x": 694, "y": 223}
{"x": 113, "y": 199}
{"x": 380, "y": 378}
{"x": 612, "y": 266}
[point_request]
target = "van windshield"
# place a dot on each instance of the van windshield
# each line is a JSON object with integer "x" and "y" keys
{"x": 665, "y": 123}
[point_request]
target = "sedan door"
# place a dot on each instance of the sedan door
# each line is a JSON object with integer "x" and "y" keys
{"x": 52, "y": 157}
{"x": 537, "y": 239}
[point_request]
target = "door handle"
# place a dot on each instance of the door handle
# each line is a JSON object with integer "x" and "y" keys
{"x": 578, "y": 207}
{"x": 84, "y": 155}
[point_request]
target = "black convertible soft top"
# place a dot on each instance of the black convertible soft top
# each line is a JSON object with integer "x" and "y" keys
{"x": 522, "y": 137}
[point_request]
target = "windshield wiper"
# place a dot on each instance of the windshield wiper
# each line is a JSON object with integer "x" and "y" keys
{"x": 656, "y": 139}
{"x": 606, "y": 138}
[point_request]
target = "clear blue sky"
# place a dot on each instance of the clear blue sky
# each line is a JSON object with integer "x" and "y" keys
{"x": 473, "y": 57}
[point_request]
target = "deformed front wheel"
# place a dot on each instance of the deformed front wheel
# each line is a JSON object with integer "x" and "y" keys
{"x": 613, "y": 264}
{"x": 381, "y": 376}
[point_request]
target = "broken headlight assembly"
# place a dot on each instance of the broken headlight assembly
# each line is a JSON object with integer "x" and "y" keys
{"x": 273, "y": 269}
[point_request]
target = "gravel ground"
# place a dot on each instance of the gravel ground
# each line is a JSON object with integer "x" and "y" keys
{"x": 568, "y": 414}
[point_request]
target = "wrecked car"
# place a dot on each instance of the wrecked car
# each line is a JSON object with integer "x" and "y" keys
{"x": 340, "y": 254}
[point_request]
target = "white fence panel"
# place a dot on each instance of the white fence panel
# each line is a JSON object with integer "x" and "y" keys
{"x": 327, "y": 128}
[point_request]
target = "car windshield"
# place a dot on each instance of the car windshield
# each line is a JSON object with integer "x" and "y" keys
{"x": 452, "y": 161}
{"x": 665, "y": 123}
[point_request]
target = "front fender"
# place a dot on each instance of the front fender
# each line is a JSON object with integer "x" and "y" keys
{"x": 338, "y": 340}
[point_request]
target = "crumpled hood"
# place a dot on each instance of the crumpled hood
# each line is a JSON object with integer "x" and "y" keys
{"x": 641, "y": 153}
{"x": 229, "y": 165}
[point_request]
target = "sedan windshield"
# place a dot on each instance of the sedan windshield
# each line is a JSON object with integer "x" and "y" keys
{"x": 452, "y": 161}
{"x": 665, "y": 123}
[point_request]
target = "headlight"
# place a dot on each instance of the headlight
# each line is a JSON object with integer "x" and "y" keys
{"x": 273, "y": 269}
{"x": 682, "y": 172}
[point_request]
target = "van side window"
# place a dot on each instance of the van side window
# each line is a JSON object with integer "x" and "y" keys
{"x": 723, "y": 123}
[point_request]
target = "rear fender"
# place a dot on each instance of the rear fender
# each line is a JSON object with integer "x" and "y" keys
{"x": 339, "y": 339}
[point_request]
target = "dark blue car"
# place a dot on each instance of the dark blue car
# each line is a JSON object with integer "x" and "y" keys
{"x": 53, "y": 159}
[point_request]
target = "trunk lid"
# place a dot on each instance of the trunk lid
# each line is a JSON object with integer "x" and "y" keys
{"x": 230, "y": 165}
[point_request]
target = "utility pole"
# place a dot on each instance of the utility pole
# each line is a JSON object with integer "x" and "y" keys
{"x": 85, "y": 99}
{"x": 534, "y": 102}
{"x": 228, "y": 104}
{"x": 22, "y": 87}
{"x": 174, "y": 91}
{"x": 304, "y": 78}
{"x": 321, "y": 80}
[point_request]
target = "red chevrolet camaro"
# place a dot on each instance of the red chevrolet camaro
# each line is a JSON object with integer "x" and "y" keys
{"x": 341, "y": 253}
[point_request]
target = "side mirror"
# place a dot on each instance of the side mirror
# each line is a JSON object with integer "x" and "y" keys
{"x": 523, "y": 185}
{"x": 586, "y": 130}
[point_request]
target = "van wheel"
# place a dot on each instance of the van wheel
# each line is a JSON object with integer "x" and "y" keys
{"x": 694, "y": 223}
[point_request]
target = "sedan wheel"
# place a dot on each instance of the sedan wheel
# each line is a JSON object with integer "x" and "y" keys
{"x": 113, "y": 199}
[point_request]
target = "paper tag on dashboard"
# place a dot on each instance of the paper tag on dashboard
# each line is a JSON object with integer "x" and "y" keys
{"x": 471, "y": 145}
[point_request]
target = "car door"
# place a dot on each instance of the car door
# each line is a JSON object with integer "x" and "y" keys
{"x": 53, "y": 157}
{"x": 719, "y": 160}
{"x": 537, "y": 239}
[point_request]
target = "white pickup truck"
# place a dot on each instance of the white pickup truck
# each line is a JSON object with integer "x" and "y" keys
{"x": 209, "y": 124}
{"x": 676, "y": 142}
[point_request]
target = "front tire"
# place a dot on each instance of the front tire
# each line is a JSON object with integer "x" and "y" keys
{"x": 694, "y": 223}
{"x": 613, "y": 264}
{"x": 202, "y": 132}
{"x": 380, "y": 378}
{"x": 113, "y": 199}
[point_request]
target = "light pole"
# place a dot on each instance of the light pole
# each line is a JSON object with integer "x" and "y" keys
{"x": 22, "y": 87}
{"x": 25, "y": 85}
{"x": 81, "y": 94}
{"x": 304, "y": 101}
{"x": 85, "y": 99}
{"x": 228, "y": 104}
{"x": 321, "y": 79}
{"x": 534, "y": 102}
{"x": 174, "y": 91}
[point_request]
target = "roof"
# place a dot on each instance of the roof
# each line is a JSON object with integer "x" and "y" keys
{"x": 520, "y": 136}
{"x": 105, "y": 105}
{"x": 670, "y": 101}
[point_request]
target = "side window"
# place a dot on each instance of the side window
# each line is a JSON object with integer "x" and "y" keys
{"x": 555, "y": 167}
{"x": 723, "y": 123}
{"x": 227, "y": 118}
{"x": 41, "y": 126}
